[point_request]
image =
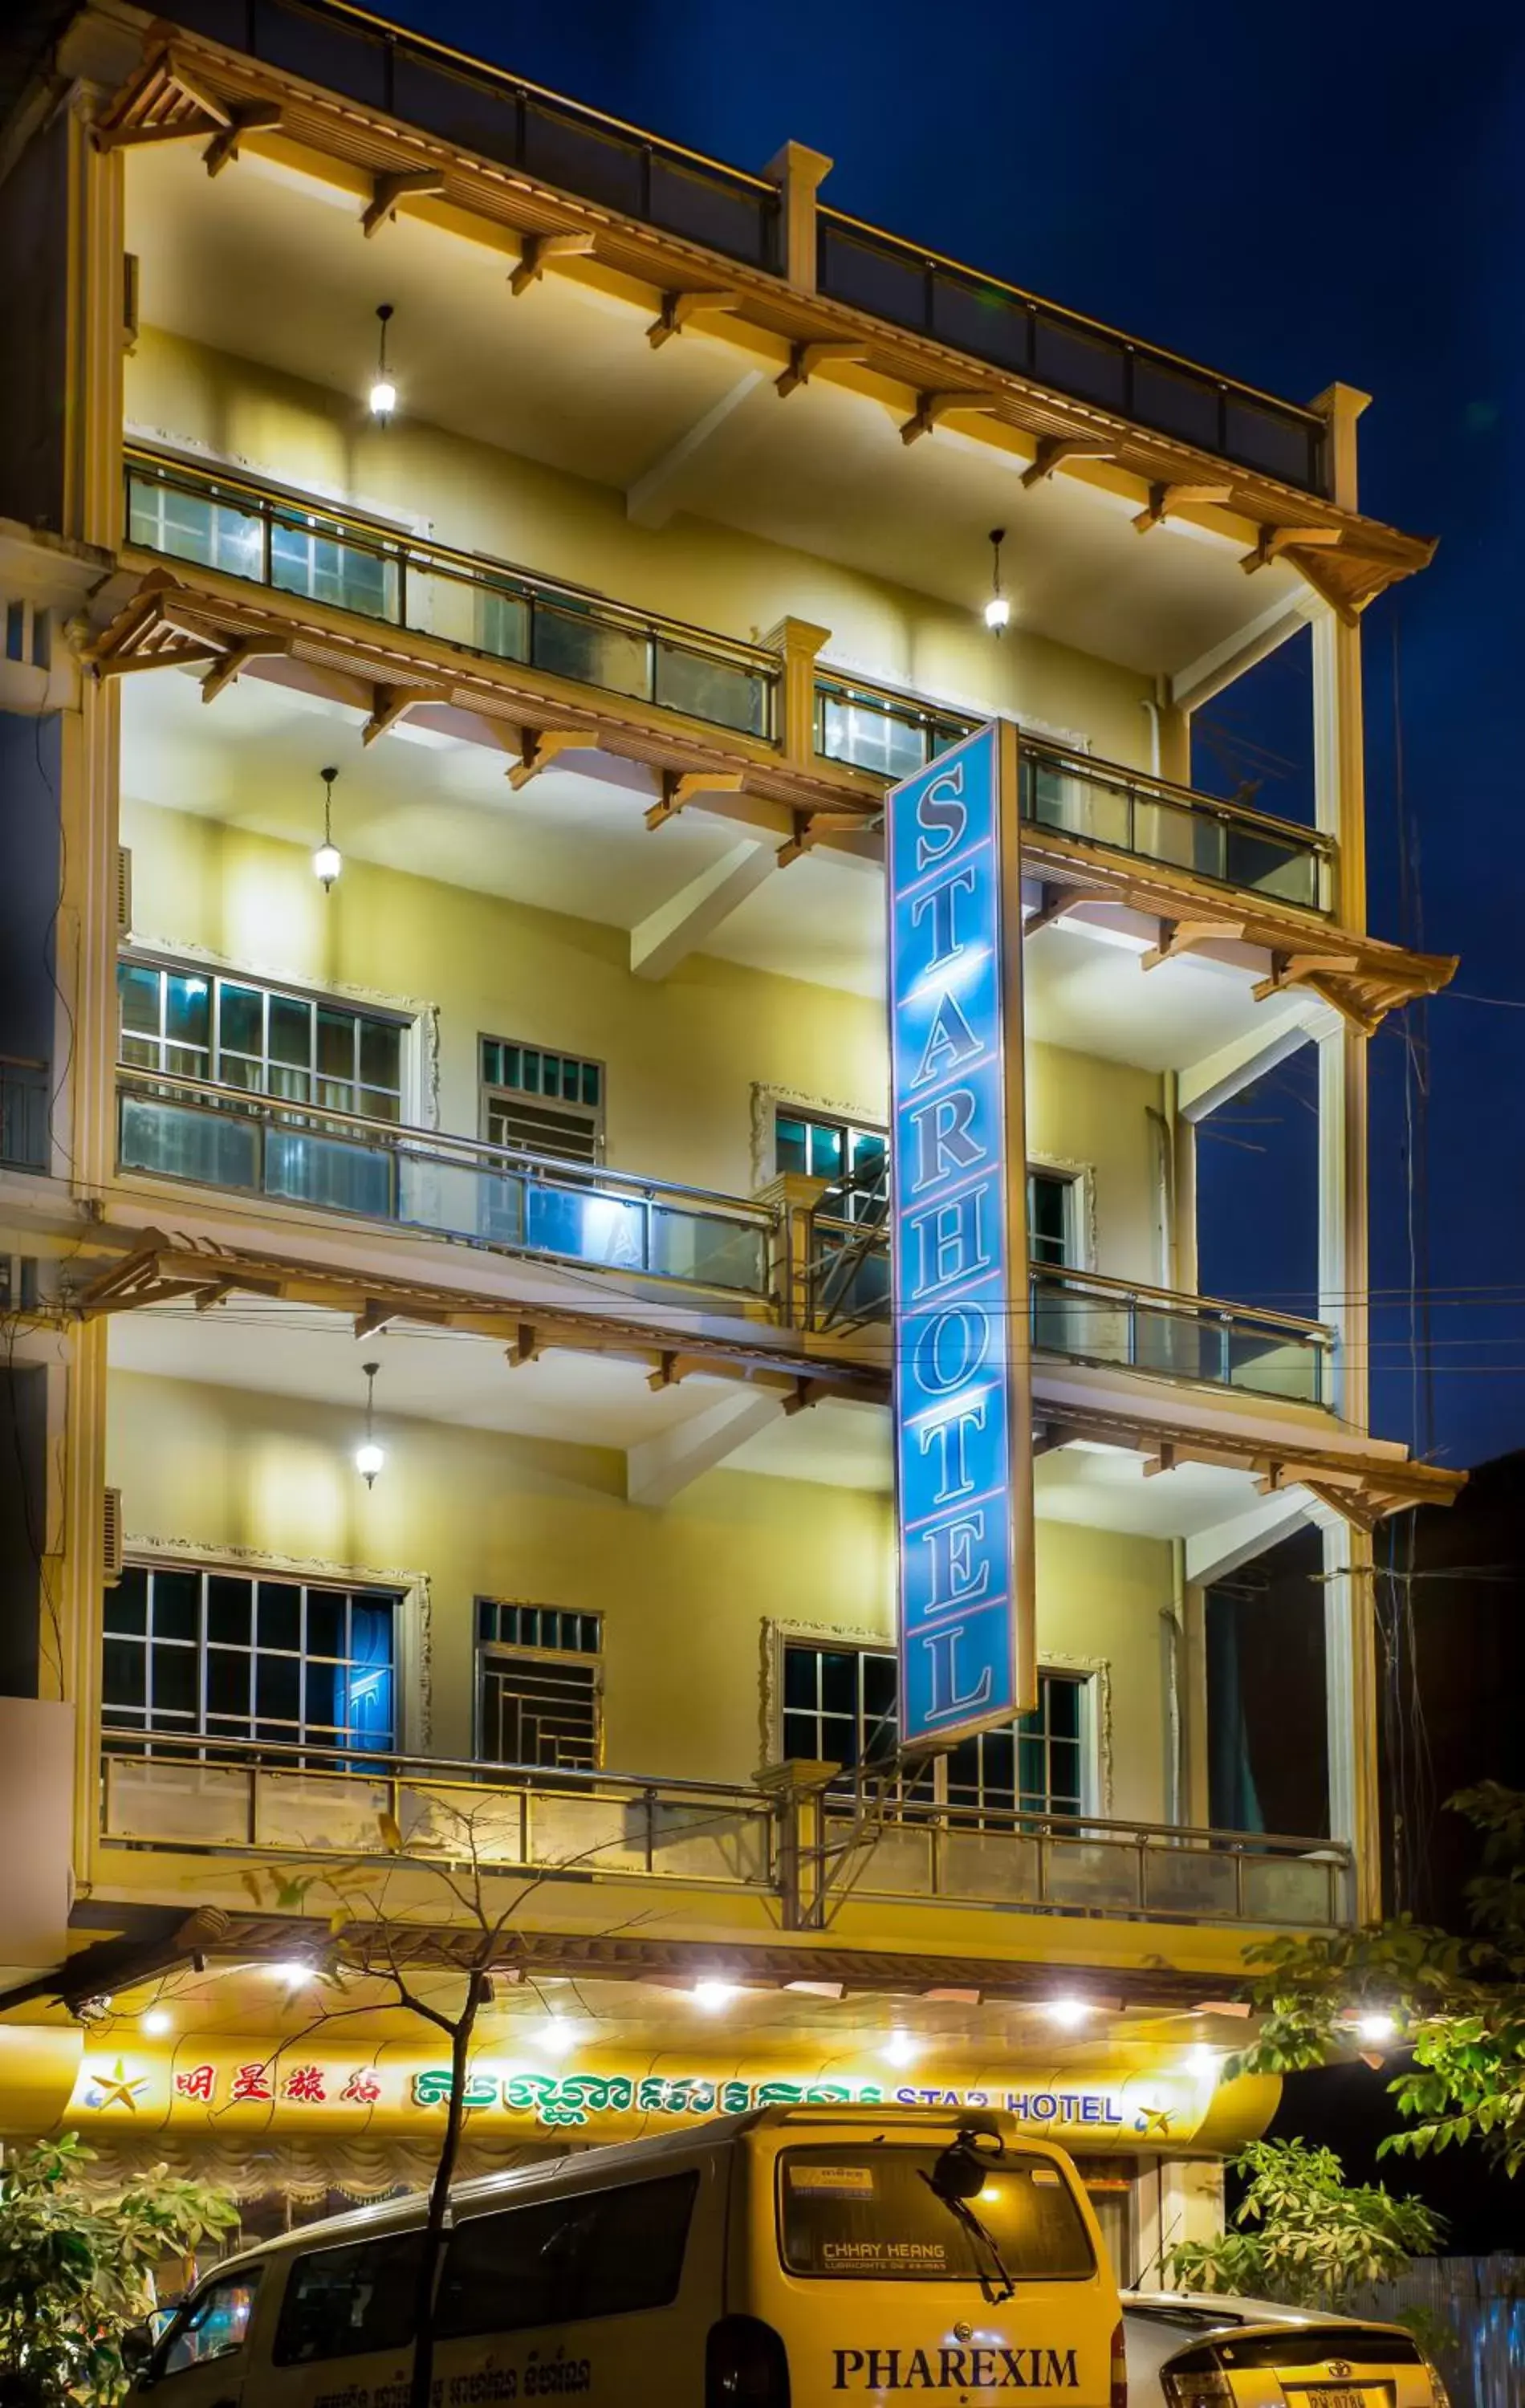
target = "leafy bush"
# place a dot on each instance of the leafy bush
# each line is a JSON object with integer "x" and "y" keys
{"x": 1303, "y": 2235}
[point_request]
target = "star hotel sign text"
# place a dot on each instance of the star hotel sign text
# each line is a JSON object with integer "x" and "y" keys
{"x": 963, "y": 1410}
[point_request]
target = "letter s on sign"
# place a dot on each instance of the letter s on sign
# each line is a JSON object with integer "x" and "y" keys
{"x": 940, "y": 817}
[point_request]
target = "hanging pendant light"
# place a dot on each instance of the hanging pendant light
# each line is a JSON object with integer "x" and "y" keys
{"x": 997, "y": 609}
{"x": 383, "y": 393}
{"x": 368, "y": 1456}
{"x": 327, "y": 861}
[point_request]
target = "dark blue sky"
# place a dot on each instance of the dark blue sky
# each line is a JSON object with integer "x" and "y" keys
{"x": 1293, "y": 195}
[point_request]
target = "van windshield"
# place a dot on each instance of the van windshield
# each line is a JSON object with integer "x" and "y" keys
{"x": 851, "y": 2211}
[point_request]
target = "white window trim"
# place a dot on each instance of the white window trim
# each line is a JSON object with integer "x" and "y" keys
{"x": 414, "y": 1666}
{"x": 1096, "y": 1702}
{"x": 420, "y": 1085}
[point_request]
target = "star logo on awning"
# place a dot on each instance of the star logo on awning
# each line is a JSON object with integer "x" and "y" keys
{"x": 117, "y": 2090}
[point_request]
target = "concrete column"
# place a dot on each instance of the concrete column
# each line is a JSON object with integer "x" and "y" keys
{"x": 798, "y": 644}
{"x": 1342, "y": 405}
{"x": 798, "y": 172}
{"x": 1350, "y": 1687}
{"x": 93, "y": 509}
{"x": 86, "y": 1041}
{"x": 80, "y": 1586}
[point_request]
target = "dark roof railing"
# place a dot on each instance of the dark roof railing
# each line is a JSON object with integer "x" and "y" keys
{"x": 579, "y": 150}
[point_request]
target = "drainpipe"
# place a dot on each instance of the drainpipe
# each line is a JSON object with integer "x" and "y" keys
{"x": 1151, "y": 704}
{"x": 1172, "y": 1633}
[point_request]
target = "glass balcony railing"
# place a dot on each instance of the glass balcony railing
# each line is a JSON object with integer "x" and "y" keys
{"x": 333, "y": 555}
{"x": 23, "y": 1113}
{"x": 458, "y": 1188}
{"x": 189, "y": 1794}
{"x": 1095, "y": 1319}
{"x": 872, "y": 727}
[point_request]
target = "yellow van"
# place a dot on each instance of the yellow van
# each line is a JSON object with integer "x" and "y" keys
{"x": 788, "y": 2258}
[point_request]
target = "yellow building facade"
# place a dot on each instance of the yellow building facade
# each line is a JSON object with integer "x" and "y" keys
{"x": 445, "y": 1015}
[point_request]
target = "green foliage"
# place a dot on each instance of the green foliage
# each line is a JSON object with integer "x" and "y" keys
{"x": 1460, "y": 2004}
{"x": 1303, "y": 2235}
{"x": 75, "y": 2274}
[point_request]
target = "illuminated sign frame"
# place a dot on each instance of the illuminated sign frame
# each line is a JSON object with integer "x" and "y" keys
{"x": 959, "y": 1244}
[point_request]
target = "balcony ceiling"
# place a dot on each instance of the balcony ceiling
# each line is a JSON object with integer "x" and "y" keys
{"x": 575, "y": 840}
{"x": 267, "y": 262}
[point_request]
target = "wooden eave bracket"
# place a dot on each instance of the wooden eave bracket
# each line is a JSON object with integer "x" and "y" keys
{"x": 810, "y": 828}
{"x": 237, "y": 658}
{"x": 1177, "y": 936}
{"x": 539, "y": 250}
{"x": 144, "y": 635}
{"x": 1056, "y": 902}
{"x": 390, "y": 703}
{"x": 526, "y": 1346}
{"x": 679, "y": 308}
{"x": 1272, "y": 541}
{"x": 412, "y": 183}
{"x": 254, "y": 117}
{"x": 805, "y": 358}
{"x": 539, "y": 746}
{"x": 162, "y": 102}
{"x": 804, "y": 1394}
{"x": 1164, "y": 499}
{"x": 1054, "y": 451}
{"x": 933, "y": 407}
{"x": 680, "y": 788}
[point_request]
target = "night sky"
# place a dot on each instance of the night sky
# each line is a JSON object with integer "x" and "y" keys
{"x": 1292, "y": 196}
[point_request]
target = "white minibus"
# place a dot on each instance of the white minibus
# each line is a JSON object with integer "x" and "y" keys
{"x": 790, "y": 2257}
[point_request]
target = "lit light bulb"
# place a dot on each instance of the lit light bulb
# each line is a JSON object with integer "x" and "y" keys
{"x": 1377, "y": 2027}
{"x": 384, "y": 397}
{"x": 900, "y": 2049}
{"x": 155, "y": 2023}
{"x": 998, "y": 614}
{"x": 293, "y": 1972}
{"x": 327, "y": 863}
{"x": 557, "y": 2037}
{"x": 1068, "y": 2012}
{"x": 713, "y": 1995}
{"x": 368, "y": 1460}
{"x": 1203, "y": 2062}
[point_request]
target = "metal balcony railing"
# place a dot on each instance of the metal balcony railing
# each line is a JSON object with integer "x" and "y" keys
{"x": 332, "y": 554}
{"x": 807, "y": 1850}
{"x": 1097, "y": 802}
{"x": 452, "y": 1187}
{"x": 1091, "y": 1319}
{"x": 23, "y": 1113}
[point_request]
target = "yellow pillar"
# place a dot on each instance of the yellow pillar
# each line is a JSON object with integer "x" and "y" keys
{"x": 798, "y": 644}
{"x": 799, "y": 171}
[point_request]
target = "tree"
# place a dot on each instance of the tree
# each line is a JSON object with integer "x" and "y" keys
{"x": 1303, "y": 2235}
{"x": 1453, "y": 2007}
{"x": 75, "y": 2274}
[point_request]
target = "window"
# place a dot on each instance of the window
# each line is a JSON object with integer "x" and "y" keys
{"x": 304, "y": 1049}
{"x": 221, "y": 1655}
{"x": 214, "y": 2324}
{"x": 878, "y": 2216}
{"x": 340, "y": 2303}
{"x": 840, "y": 1707}
{"x": 319, "y": 557}
{"x": 537, "y": 1685}
{"x": 535, "y": 1101}
{"x": 217, "y": 533}
{"x": 856, "y": 1163}
{"x": 608, "y": 2253}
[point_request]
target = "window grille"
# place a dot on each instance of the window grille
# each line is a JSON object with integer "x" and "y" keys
{"x": 539, "y": 1686}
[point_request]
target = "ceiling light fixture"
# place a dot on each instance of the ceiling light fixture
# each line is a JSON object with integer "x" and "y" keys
{"x": 900, "y": 2049}
{"x": 556, "y": 2036}
{"x": 713, "y": 1995}
{"x": 383, "y": 393}
{"x": 1376, "y": 2027}
{"x": 155, "y": 2023}
{"x": 295, "y": 1972}
{"x": 327, "y": 861}
{"x": 997, "y": 609}
{"x": 1069, "y": 2014}
{"x": 368, "y": 1456}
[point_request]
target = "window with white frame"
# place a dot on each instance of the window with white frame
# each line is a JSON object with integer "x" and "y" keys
{"x": 841, "y": 1706}
{"x": 166, "y": 517}
{"x": 539, "y": 1686}
{"x": 195, "y": 1653}
{"x": 855, "y": 1159}
{"x": 536, "y": 1099}
{"x": 238, "y": 1032}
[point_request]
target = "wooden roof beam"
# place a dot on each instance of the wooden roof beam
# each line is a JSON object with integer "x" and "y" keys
{"x": 255, "y": 117}
{"x": 1054, "y": 451}
{"x": 390, "y": 703}
{"x": 539, "y": 250}
{"x": 679, "y": 309}
{"x": 526, "y": 1345}
{"x": 237, "y": 659}
{"x": 805, "y": 358}
{"x": 1177, "y": 936}
{"x": 1056, "y": 902}
{"x": 1274, "y": 540}
{"x": 539, "y": 746}
{"x": 414, "y": 183}
{"x": 678, "y": 790}
{"x": 933, "y": 407}
{"x": 810, "y": 828}
{"x": 1164, "y": 499}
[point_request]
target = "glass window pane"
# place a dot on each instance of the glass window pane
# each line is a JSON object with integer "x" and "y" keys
{"x": 290, "y": 1031}
{"x": 177, "y": 1599}
{"x": 1032, "y": 1763}
{"x": 140, "y": 990}
{"x": 175, "y": 1681}
{"x": 336, "y": 1043}
{"x": 1063, "y": 1707}
{"x": 278, "y": 1688}
{"x": 800, "y": 1676}
{"x": 791, "y": 1144}
{"x": 799, "y": 1738}
{"x": 826, "y": 1151}
{"x": 279, "y": 1614}
{"x": 381, "y": 1053}
{"x": 230, "y": 1611}
{"x": 839, "y": 1681}
{"x": 324, "y": 1697}
{"x": 325, "y": 1623}
{"x": 127, "y": 1604}
{"x": 187, "y": 1009}
{"x": 241, "y": 1018}
{"x": 125, "y": 1672}
{"x": 227, "y": 1683}
{"x": 881, "y": 1682}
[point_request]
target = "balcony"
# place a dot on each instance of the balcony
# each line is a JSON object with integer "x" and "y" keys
{"x": 458, "y": 1188}
{"x": 479, "y": 109}
{"x": 330, "y": 554}
{"x": 1088, "y": 1318}
{"x": 1070, "y": 793}
{"x": 801, "y": 1851}
{"x": 23, "y": 1113}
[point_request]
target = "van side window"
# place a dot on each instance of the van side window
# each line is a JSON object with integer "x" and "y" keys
{"x": 604, "y": 2253}
{"x": 341, "y": 2301}
{"x": 212, "y": 2326}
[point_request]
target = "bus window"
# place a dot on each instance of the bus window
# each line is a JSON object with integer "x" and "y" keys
{"x": 212, "y": 2326}
{"x": 868, "y": 2213}
{"x": 340, "y": 2301}
{"x": 604, "y": 2253}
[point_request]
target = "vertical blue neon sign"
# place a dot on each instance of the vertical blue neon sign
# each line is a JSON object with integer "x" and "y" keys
{"x": 963, "y": 1430}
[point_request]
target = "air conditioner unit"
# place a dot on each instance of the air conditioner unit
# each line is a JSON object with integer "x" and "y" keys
{"x": 124, "y": 890}
{"x": 111, "y": 1535}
